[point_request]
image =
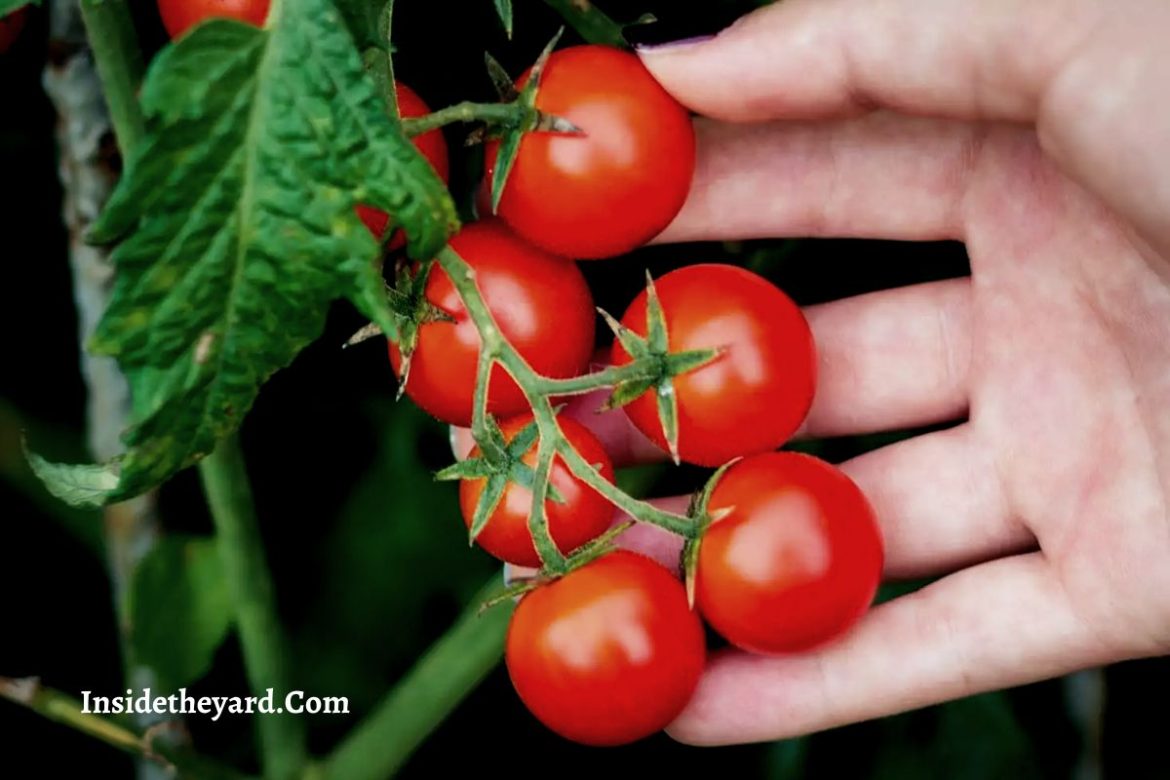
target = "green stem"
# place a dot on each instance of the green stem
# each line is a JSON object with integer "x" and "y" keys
{"x": 589, "y": 22}
{"x": 110, "y": 30}
{"x": 66, "y": 710}
{"x": 506, "y": 114}
{"x": 436, "y": 684}
{"x": 538, "y": 390}
{"x": 225, "y": 481}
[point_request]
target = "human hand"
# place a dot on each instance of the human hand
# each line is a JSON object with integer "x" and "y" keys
{"x": 1036, "y": 132}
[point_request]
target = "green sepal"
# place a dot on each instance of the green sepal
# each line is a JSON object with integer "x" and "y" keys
{"x": 489, "y": 499}
{"x": 501, "y": 81}
{"x": 667, "y": 402}
{"x": 510, "y": 140}
{"x": 626, "y": 392}
{"x": 699, "y": 511}
{"x": 504, "y": 11}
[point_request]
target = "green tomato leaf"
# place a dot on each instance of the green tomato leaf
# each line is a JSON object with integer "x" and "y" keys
{"x": 237, "y": 226}
{"x": 180, "y": 609}
{"x": 504, "y": 10}
{"x": 8, "y": 6}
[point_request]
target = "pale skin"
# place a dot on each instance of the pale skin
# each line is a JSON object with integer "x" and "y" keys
{"x": 1038, "y": 133}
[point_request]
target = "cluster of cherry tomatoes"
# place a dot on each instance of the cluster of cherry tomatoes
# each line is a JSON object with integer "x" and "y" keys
{"x": 612, "y": 651}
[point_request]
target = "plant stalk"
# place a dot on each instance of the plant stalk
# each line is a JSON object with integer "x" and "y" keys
{"x": 506, "y": 114}
{"x": 436, "y": 684}
{"x": 225, "y": 482}
{"x": 110, "y": 30}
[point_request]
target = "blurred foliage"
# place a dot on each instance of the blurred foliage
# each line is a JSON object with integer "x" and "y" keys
{"x": 369, "y": 555}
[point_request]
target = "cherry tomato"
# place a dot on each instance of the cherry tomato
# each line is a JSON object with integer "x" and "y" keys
{"x": 795, "y": 563}
{"x": 178, "y": 16}
{"x": 619, "y": 184}
{"x": 609, "y": 653}
{"x": 541, "y": 303}
{"x": 754, "y": 396}
{"x": 582, "y": 515}
{"x": 10, "y": 27}
{"x": 431, "y": 144}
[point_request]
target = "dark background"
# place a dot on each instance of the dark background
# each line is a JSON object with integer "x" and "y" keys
{"x": 368, "y": 554}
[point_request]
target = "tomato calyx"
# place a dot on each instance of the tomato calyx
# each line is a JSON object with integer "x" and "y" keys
{"x": 500, "y": 463}
{"x": 699, "y": 511}
{"x": 653, "y": 350}
{"x": 411, "y": 310}
{"x": 534, "y": 120}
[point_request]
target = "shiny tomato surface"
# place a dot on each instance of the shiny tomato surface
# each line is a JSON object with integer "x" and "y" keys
{"x": 608, "y": 654}
{"x": 796, "y": 562}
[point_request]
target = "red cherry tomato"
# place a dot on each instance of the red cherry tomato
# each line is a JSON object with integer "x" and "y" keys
{"x": 619, "y": 184}
{"x": 541, "y": 303}
{"x": 10, "y": 27}
{"x": 754, "y": 396}
{"x": 608, "y": 654}
{"x": 795, "y": 563}
{"x": 583, "y": 514}
{"x": 178, "y": 16}
{"x": 431, "y": 144}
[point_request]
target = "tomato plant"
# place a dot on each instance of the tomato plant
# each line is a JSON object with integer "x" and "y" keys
{"x": 797, "y": 559}
{"x": 431, "y": 144}
{"x": 178, "y": 16}
{"x": 755, "y": 395}
{"x": 608, "y": 654}
{"x": 619, "y": 183}
{"x": 540, "y": 302}
{"x": 579, "y": 516}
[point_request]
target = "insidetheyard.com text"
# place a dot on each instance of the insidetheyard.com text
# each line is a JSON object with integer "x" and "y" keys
{"x": 182, "y": 703}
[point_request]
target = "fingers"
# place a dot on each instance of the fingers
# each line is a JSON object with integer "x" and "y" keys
{"x": 818, "y": 58}
{"x": 939, "y": 503}
{"x": 996, "y": 625}
{"x": 879, "y": 176}
{"x": 891, "y": 359}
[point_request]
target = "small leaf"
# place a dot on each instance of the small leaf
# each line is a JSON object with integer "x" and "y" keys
{"x": 668, "y": 416}
{"x": 626, "y": 392}
{"x": 524, "y": 439}
{"x": 180, "y": 609}
{"x": 489, "y": 499}
{"x": 81, "y": 485}
{"x": 364, "y": 333}
{"x": 472, "y": 468}
{"x": 690, "y": 565}
{"x": 504, "y": 86}
{"x": 656, "y": 337}
{"x": 634, "y": 345}
{"x": 504, "y": 10}
{"x": 684, "y": 362}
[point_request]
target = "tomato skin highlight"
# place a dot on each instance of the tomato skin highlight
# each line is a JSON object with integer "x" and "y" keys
{"x": 617, "y": 186}
{"x": 753, "y": 397}
{"x": 584, "y": 515}
{"x": 431, "y": 144}
{"x": 608, "y": 654}
{"x": 541, "y": 303}
{"x": 796, "y": 562}
{"x": 178, "y": 16}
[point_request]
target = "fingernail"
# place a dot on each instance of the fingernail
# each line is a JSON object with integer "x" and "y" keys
{"x": 654, "y": 48}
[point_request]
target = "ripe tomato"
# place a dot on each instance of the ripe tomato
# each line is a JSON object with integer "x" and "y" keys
{"x": 10, "y": 27}
{"x": 541, "y": 303}
{"x": 431, "y": 144}
{"x": 753, "y": 397}
{"x": 615, "y": 187}
{"x": 795, "y": 563}
{"x": 608, "y": 654}
{"x": 178, "y": 16}
{"x": 583, "y": 515}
